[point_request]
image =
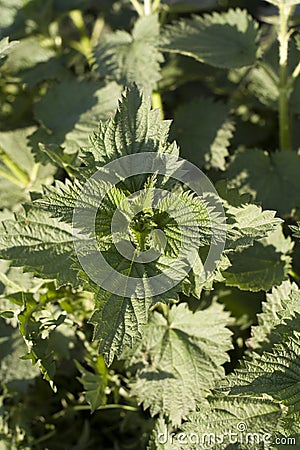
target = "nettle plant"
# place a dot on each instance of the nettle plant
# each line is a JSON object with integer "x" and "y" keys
{"x": 207, "y": 356}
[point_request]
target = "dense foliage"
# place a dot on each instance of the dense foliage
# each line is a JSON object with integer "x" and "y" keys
{"x": 82, "y": 85}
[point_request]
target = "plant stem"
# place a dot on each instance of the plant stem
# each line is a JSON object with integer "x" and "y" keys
{"x": 18, "y": 173}
{"x": 137, "y": 7}
{"x": 84, "y": 46}
{"x": 11, "y": 178}
{"x": 147, "y": 8}
{"x": 157, "y": 103}
{"x": 156, "y": 5}
{"x": 284, "y": 91}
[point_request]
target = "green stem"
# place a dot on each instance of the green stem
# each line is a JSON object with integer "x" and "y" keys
{"x": 137, "y": 7}
{"x": 84, "y": 46}
{"x": 284, "y": 91}
{"x": 11, "y": 178}
{"x": 156, "y": 5}
{"x": 112, "y": 406}
{"x": 157, "y": 103}
{"x": 147, "y": 8}
{"x": 34, "y": 173}
{"x": 61, "y": 413}
{"x": 97, "y": 31}
{"x": 293, "y": 274}
{"x": 294, "y": 75}
{"x": 18, "y": 173}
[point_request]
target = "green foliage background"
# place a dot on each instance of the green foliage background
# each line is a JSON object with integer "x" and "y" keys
{"x": 81, "y": 84}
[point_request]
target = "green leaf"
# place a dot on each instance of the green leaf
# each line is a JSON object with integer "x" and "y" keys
{"x": 18, "y": 172}
{"x": 40, "y": 244}
{"x": 232, "y": 418}
{"x": 257, "y": 268}
{"x": 132, "y": 58}
{"x": 227, "y": 40}
{"x": 29, "y": 52}
{"x": 166, "y": 381}
{"x": 5, "y": 48}
{"x": 9, "y": 10}
{"x": 16, "y": 373}
{"x": 158, "y": 436}
{"x": 280, "y": 306}
{"x": 71, "y": 109}
{"x": 296, "y": 230}
{"x": 135, "y": 128}
{"x": 247, "y": 223}
{"x": 94, "y": 384}
{"x": 275, "y": 373}
{"x": 203, "y": 131}
{"x": 118, "y": 323}
{"x": 270, "y": 178}
{"x": 48, "y": 337}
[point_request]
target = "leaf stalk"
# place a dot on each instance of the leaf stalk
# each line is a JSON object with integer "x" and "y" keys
{"x": 284, "y": 90}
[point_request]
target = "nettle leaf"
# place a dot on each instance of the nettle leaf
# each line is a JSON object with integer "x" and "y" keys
{"x": 270, "y": 178}
{"x": 94, "y": 383}
{"x": 227, "y": 416}
{"x": 132, "y": 58}
{"x": 203, "y": 38}
{"x": 40, "y": 244}
{"x": 296, "y": 230}
{"x": 166, "y": 381}
{"x": 5, "y": 48}
{"x": 118, "y": 323}
{"x": 247, "y": 223}
{"x": 71, "y": 109}
{"x": 276, "y": 373}
{"x": 159, "y": 436}
{"x": 257, "y": 268}
{"x": 29, "y": 52}
{"x": 279, "y": 308}
{"x": 18, "y": 172}
{"x": 16, "y": 373}
{"x": 135, "y": 128}
{"x": 203, "y": 131}
{"x": 37, "y": 323}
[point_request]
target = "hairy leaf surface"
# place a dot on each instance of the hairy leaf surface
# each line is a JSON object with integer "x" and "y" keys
{"x": 203, "y": 38}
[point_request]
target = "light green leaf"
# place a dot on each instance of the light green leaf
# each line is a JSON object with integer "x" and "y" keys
{"x": 166, "y": 381}
{"x": 29, "y": 52}
{"x": 48, "y": 339}
{"x": 227, "y": 40}
{"x": 16, "y": 373}
{"x": 71, "y": 110}
{"x": 257, "y": 268}
{"x": 40, "y": 244}
{"x": 296, "y": 230}
{"x": 94, "y": 384}
{"x": 233, "y": 418}
{"x": 118, "y": 323}
{"x": 135, "y": 128}
{"x": 203, "y": 131}
{"x": 132, "y": 58}
{"x": 275, "y": 373}
{"x": 280, "y": 306}
{"x": 5, "y": 48}
{"x": 159, "y": 436}
{"x": 248, "y": 223}
{"x": 18, "y": 172}
{"x": 270, "y": 178}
